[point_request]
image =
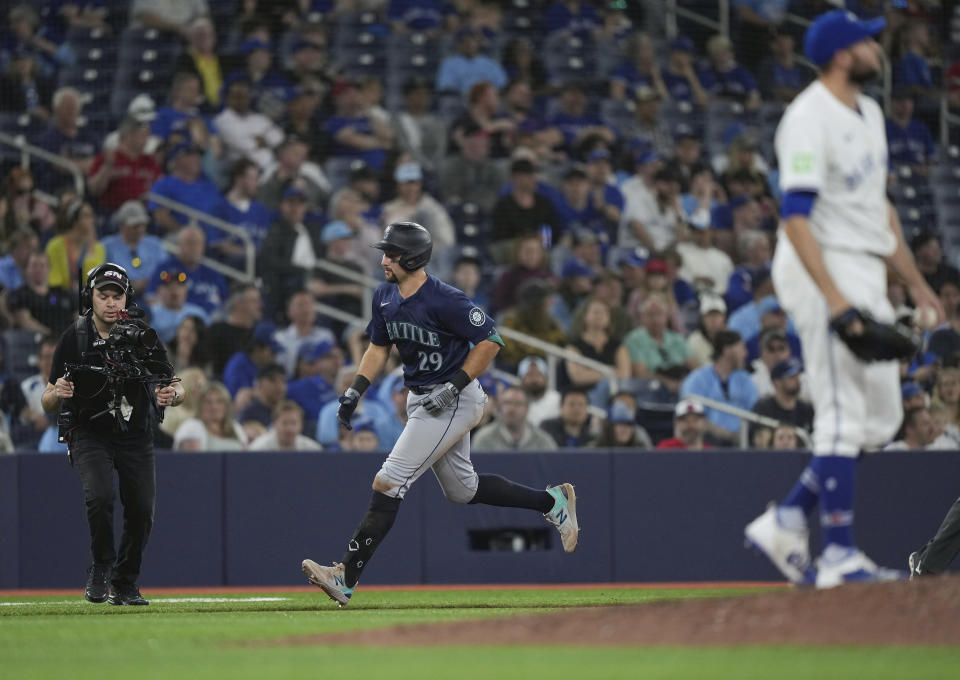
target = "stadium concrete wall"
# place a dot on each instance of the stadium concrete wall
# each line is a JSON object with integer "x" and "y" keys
{"x": 250, "y": 518}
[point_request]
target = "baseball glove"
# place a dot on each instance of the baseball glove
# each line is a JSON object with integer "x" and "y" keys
{"x": 871, "y": 340}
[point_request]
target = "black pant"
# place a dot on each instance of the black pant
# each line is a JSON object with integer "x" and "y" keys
{"x": 939, "y": 552}
{"x": 96, "y": 457}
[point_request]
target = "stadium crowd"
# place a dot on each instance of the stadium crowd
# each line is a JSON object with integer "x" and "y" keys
{"x": 584, "y": 179}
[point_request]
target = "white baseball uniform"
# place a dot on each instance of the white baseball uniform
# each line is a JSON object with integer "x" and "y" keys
{"x": 826, "y": 147}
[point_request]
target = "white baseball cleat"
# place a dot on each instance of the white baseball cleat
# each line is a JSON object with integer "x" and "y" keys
{"x": 788, "y": 549}
{"x": 854, "y": 567}
{"x": 329, "y": 579}
{"x": 564, "y": 515}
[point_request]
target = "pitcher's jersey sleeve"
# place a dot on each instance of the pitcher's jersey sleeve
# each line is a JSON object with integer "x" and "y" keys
{"x": 802, "y": 153}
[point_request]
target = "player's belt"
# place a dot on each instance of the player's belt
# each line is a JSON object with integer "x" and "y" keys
{"x": 424, "y": 389}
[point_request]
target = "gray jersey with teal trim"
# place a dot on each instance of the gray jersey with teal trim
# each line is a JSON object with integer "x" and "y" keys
{"x": 433, "y": 329}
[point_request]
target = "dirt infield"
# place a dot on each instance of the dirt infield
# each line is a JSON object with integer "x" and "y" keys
{"x": 923, "y": 612}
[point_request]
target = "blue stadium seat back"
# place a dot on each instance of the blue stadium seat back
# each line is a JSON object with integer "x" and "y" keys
{"x": 20, "y": 124}
{"x": 364, "y": 64}
{"x": 88, "y": 37}
{"x": 88, "y": 79}
{"x": 20, "y": 358}
{"x": 402, "y": 45}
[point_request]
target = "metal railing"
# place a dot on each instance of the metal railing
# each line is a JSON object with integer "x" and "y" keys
{"x": 747, "y": 417}
{"x": 27, "y": 150}
{"x": 674, "y": 10}
{"x": 250, "y": 252}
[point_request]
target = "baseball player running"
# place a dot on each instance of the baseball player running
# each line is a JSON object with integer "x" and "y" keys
{"x": 837, "y": 236}
{"x": 445, "y": 342}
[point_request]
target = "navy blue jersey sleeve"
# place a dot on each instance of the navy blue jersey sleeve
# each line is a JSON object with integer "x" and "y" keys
{"x": 377, "y": 328}
{"x": 461, "y": 317}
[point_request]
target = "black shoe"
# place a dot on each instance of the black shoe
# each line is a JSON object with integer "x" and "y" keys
{"x": 98, "y": 583}
{"x": 126, "y": 594}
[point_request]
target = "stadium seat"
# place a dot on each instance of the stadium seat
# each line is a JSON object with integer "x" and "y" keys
{"x": 21, "y": 348}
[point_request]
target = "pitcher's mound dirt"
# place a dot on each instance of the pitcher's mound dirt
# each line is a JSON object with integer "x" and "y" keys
{"x": 923, "y": 612}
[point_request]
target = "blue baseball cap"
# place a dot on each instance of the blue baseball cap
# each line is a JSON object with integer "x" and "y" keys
{"x": 620, "y": 413}
{"x": 739, "y": 202}
{"x": 574, "y": 266}
{"x": 910, "y": 389}
{"x": 837, "y": 30}
{"x": 263, "y": 333}
{"x": 408, "y": 172}
{"x": 293, "y": 191}
{"x": 681, "y": 44}
{"x": 767, "y": 305}
{"x": 786, "y": 368}
{"x": 315, "y": 350}
{"x": 635, "y": 258}
{"x": 600, "y": 154}
{"x": 364, "y": 423}
{"x": 251, "y": 45}
{"x": 334, "y": 230}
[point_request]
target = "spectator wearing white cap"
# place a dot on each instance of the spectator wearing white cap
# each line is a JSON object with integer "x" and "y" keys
{"x": 543, "y": 402}
{"x": 689, "y": 427}
{"x": 412, "y": 204}
{"x": 131, "y": 247}
{"x": 713, "y": 318}
{"x": 512, "y": 430}
{"x": 142, "y": 109}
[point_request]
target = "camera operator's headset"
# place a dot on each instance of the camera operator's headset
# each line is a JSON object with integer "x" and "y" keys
{"x": 86, "y": 300}
{"x": 86, "y": 292}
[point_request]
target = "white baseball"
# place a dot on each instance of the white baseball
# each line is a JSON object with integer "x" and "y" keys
{"x": 925, "y": 318}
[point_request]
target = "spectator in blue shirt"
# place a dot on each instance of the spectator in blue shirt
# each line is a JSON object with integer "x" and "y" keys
{"x": 21, "y": 244}
{"x": 267, "y": 85}
{"x": 240, "y": 208}
{"x": 419, "y": 15}
{"x": 680, "y": 77}
{"x": 726, "y": 78}
{"x": 206, "y": 287}
{"x": 315, "y": 386}
{"x": 909, "y": 141}
{"x": 185, "y": 93}
{"x": 573, "y": 16}
{"x": 756, "y": 19}
{"x": 913, "y": 70}
{"x": 185, "y": 184}
{"x": 172, "y": 307}
{"x": 355, "y": 134}
{"x": 25, "y": 32}
{"x": 723, "y": 380}
{"x": 640, "y": 68}
{"x": 244, "y": 366}
{"x": 131, "y": 247}
{"x": 753, "y": 254}
{"x": 782, "y": 77}
{"x": 328, "y": 428}
{"x": 461, "y": 71}
{"x": 574, "y": 121}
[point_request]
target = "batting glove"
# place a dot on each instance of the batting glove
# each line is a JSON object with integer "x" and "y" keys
{"x": 442, "y": 397}
{"x": 348, "y": 404}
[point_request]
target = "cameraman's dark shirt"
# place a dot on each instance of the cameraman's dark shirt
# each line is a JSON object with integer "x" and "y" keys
{"x": 91, "y": 396}
{"x": 55, "y": 310}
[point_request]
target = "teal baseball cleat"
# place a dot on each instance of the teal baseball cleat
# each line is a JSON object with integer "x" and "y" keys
{"x": 564, "y": 515}
{"x": 329, "y": 579}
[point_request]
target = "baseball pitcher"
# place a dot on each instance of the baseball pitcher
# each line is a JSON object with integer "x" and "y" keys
{"x": 838, "y": 235}
{"x": 445, "y": 342}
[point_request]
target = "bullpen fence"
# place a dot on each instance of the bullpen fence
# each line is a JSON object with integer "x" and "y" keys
{"x": 250, "y": 518}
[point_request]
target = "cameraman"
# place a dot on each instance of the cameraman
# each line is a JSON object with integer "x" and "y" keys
{"x": 102, "y": 437}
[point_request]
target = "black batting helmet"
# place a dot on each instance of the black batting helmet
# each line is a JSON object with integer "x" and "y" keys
{"x": 410, "y": 240}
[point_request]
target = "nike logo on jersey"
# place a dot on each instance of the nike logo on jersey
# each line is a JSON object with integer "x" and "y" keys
{"x": 384, "y": 304}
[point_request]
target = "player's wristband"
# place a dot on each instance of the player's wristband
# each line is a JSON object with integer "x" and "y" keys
{"x": 460, "y": 380}
{"x": 360, "y": 384}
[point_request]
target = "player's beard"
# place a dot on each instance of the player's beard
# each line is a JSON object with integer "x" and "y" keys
{"x": 862, "y": 74}
{"x": 389, "y": 276}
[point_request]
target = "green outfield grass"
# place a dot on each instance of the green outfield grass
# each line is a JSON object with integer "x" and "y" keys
{"x": 64, "y": 637}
